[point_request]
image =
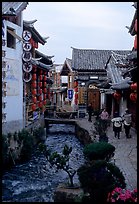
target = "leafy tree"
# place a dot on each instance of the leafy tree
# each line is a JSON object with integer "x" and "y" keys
{"x": 60, "y": 161}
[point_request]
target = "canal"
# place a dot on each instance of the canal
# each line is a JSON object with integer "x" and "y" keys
{"x": 35, "y": 180}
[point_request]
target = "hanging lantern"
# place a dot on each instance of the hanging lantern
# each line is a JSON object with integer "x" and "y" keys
{"x": 34, "y": 99}
{"x": 44, "y": 102}
{"x": 45, "y": 78}
{"x": 33, "y": 107}
{"x": 135, "y": 42}
{"x": 34, "y": 91}
{"x": 41, "y": 77}
{"x": 34, "y": 76}
{"x": 34, "y": 68}
{"x": 133, "y": 86}
{"x": 133, "y": 97}
{"x": 40, "y": 98}
{"x": 40, "y": 84}
{"x": 41, "y": 71}
{"x": 44, "y": 84}
{"x": 76, "y": 96}
{"x": 34, "y": 84}
{"x": 76, "y": 89}
{"x": 40, "y": 104}
{"x": 44, "y": 96}
{"x": 45, "y": 90}
{"x": 117, "y": 95}
{"x": 40, "y": 91}
{"x": 75, "y": 83}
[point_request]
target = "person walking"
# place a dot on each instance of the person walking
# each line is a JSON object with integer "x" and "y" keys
{"x": 127, "y": 119}
{"x": 90, "y": 111}
{"x": 117, "y": 124}
{"x": 104, "y": 118}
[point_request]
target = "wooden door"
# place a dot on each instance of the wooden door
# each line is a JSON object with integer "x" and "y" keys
{"x": 94, "y": 98}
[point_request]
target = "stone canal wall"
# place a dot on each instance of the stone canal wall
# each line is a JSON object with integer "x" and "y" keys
{"x": 82, "y": 134}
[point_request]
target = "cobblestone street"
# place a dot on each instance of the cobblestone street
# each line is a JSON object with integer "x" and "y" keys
{"x": 125, "y": 154}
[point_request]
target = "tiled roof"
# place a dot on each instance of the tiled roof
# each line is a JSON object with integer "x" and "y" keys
{"x": 92, "y": 59}
{"x": 66, "y": 68}
{"x": 45, "y": 59}
{"x": 69, "y": 62}
{"x": 29, "y": 25}
{"x": 17, "y": 6}
{"x": 115, "y": 73}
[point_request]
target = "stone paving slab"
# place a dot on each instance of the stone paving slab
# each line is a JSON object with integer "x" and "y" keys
{"x": 125, "y": 153}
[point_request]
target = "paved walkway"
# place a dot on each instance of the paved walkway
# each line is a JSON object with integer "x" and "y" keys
{"x": 125, "y": 153}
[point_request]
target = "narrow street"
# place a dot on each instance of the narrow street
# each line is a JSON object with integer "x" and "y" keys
{"x": 125, "y": 154}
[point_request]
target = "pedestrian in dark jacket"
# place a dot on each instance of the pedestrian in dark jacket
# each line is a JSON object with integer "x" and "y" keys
{"x": 127, "y": 123}
{"x": 90, "y": 111}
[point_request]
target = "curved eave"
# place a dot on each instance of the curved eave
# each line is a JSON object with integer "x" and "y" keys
{"x": 35, "y": 34}
{"x": 41, "y": 65}
{"x": 44, "y": 56}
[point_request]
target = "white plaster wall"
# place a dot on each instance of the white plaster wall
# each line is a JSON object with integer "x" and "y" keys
{"x": 14, "y": 98}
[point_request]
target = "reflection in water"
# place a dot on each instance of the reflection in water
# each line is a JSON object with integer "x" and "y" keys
{"x": 35, "y": 180}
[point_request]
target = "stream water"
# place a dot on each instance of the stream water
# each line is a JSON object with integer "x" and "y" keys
{"x": 35, "y": 181}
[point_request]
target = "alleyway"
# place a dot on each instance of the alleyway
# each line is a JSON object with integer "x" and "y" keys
{"x": 125, "y": 154}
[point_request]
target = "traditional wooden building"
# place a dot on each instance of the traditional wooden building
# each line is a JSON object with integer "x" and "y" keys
{"x": 36, "y": 67}
{"x": 90, "y": 70}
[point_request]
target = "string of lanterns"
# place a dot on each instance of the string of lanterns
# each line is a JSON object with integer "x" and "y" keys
{"x": 133, "y": 94}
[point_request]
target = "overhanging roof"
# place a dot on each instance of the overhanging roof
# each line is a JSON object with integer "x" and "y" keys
{"x": 29, "y": 25}
{"x": 7, "y": 7}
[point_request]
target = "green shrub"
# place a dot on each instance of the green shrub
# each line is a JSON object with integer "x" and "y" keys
{"x": 5, "y": 152}
{"x": 99, "y": 150}
{"x": 28, "y": 144}
{"x": 99, "y": 178}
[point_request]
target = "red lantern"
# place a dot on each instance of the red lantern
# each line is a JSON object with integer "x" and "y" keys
{"x": 40, "y": 104}
{"x": 41, "y": 77}
{"x": 44, "y": 84}
{"x": 44, "y": 102}
{"x": 34, "y": 76}
{"x": 45, "y": 78}
{"x": 34, "y": 69}
{"x": 41, "y": 71}
{"x": 133, "y": 86}
{"x": 40, "y": 84}
{"x": 34, "y": 91}
{"x": 40, "y": 98}
{"x": 135, "y": 42}
{"x": 40, "y": 91}
{"x": 45, "y": 90}
{"x": 34, "y": 84}
{"x": 75, "y": 83}
{"x": 133, "y": 97}
{"x": 117, "y": 95}
{"x": 33, "y": 107}
{"x": 76, "y": 96}
{"x": 44, "y": 96}
{"x": 76, "y": 89}
{"x": 34, "y": 99}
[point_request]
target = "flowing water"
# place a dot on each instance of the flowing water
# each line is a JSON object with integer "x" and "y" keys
{"x": 35, "y": 181}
